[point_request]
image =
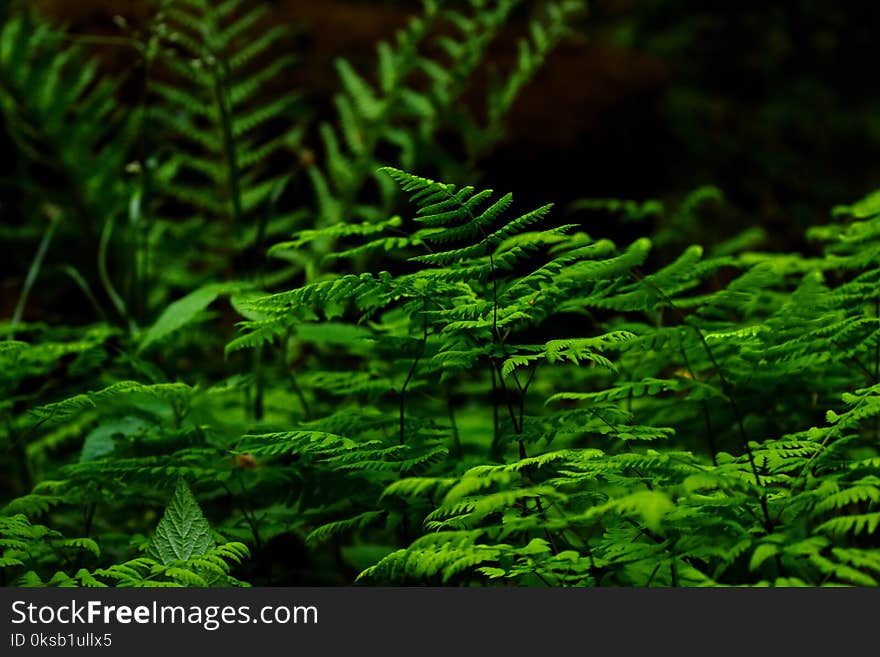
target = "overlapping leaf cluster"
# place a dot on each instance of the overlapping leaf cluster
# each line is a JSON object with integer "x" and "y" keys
{"x": 465, "y": 392}
{"x": 667, "y": 442}
{"x": 163, "y": 203}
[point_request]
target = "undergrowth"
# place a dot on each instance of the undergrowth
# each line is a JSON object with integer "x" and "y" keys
{"x": 427, "y": 384}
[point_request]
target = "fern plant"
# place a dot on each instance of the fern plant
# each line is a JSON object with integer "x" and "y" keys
{"x": 221, "y": 61}
{"x": 418, "y": 94}
{"x": 450, "y": 390}
{"x": 464, "y": 311}
{"x": 64, "y": 121}
{"x": 182, "y": 552}
{"x": 563, "y": 516}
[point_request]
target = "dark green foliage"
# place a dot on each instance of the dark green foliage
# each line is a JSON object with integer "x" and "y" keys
{"x": 467, "y": 392}
{"x": 211, "y": 102}
{"x": 181, "y": 552}
{"x": 63, "y": 115}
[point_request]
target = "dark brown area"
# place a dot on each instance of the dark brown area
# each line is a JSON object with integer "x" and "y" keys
{"x": 585, "y": 84}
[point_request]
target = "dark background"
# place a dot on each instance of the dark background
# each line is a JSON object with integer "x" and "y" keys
{"x": 777, "y": 104}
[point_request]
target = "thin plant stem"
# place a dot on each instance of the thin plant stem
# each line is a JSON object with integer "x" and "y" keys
{"x": 104, "y": 275}
{"x": 34, "y": 271}
{"x": 412, "y": 370}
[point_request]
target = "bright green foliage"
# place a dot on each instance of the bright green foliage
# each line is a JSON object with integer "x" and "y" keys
{"x": 449, "y": 389}
{"x": 604, "y": 499}
{"x": 608, "y": 504}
